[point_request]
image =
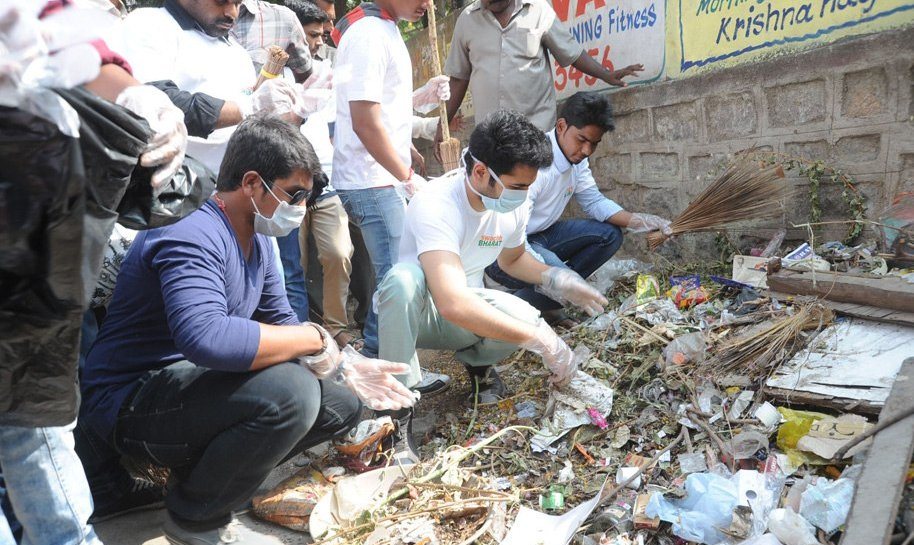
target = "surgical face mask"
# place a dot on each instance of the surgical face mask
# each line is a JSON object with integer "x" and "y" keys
{"x": 509, "y": 199}
{"x": 284, "y": 220}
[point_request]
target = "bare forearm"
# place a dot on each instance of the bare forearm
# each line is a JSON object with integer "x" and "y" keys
{"x": 282, "y": 343}
{"x": 229, "y": 116}
{"x": 110, "y": 82}
{"x": 366, "y": 122}
{"x": 525, "y": 268}
{"x": 589, "y": 66}
{"x": 620, "y": 219}
{"x": 470, "y": 312}
{"x": 458, "y": 92}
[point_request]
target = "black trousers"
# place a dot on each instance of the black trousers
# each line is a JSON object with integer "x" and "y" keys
{"x": 222, "y": 433}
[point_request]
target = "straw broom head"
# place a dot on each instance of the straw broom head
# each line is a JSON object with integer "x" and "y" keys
{"x": 273, "y": 67}
{"x": 747, "y": 190}
{"x": 450, "y": 153}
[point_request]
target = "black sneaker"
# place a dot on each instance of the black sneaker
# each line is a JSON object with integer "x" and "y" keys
{"x": 432, "y": 383}
{"x": 140, "y": 495}
{"x": 486, "y": 386}
{"x": 403, "y": 445}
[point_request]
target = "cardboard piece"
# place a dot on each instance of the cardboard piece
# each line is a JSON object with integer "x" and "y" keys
{"x": 829, "y": 434}
{"x": 751, "y": 270}
{"x": 640, "y": 518}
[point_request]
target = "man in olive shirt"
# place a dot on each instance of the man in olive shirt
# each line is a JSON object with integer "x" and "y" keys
{"x": 499, "y": 50}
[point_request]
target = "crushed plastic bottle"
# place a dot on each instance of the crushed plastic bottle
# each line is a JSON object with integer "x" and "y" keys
{"x": 826, "y": 503}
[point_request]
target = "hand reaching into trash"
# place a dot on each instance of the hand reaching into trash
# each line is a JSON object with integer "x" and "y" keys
{"x": 643, "y": 223}
{"x": 427, "y": 97}
{"x": 169, "y": 141}
{"x": 373, "y": 381}
{"x": 567, "y": 287}
{"x": 325, "y": 363}
{"x": 555, "y": 353}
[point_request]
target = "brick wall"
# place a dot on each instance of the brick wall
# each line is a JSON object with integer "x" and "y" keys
{"x": 849, "y": 104}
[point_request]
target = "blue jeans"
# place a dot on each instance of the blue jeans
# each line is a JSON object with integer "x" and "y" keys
{"x": 290, "y": 256}
{"x": 581, "y": 245}
{"x": 46, "y": 487}
{"x": 380, "y": 214}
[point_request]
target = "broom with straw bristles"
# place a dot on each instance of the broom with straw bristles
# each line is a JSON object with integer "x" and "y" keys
{"x": 274, "y": 65}
{"x": 747, "y": 190}
{"x": 450, "y": 147}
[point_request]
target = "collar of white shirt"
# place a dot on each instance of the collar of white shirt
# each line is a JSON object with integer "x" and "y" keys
{"x": 477, "y": 5}
{"x": 185, "y": 20}
{"x": 559, "y": 161}
{"x": 252, "y": 6}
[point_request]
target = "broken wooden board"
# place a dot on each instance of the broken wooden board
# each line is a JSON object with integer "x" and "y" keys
{"x": 881, "y": 482}
{"x": 867, "y": 312}
{"x": 885, "y": 292}
{"x": 850, "y": 364}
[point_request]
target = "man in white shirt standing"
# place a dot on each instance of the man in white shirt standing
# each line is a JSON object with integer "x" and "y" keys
{"x": 434, "y": 296}
{"x": 583, "y": 245}
{"x": 373, "y": 81}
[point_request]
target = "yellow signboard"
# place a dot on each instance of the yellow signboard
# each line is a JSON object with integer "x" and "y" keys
{"x": 712, "y": 31}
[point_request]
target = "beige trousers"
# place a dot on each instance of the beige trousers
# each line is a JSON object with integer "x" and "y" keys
{"x": 328, "y": 221}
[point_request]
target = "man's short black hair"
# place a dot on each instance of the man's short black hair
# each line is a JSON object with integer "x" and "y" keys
{"x": 270, "y": 147}
{"x": 307, "y": 12}
{"x": 505, "y": 139}
{"x": 589, "y": 108}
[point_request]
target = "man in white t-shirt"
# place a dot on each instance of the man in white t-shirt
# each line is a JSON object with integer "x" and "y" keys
{"x": 373, "y": 81}
{"x": 434, "y": 296}
{"x": 581, "y": 244}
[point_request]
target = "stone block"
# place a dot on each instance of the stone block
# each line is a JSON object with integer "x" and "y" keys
{"x": 731, "y": 116}
{"x": 816, "y": 150}
{"x": 660, "y": 166}
{"x": 631, "y": 127}
{"x": 851, "y": 150}
{"x": 906, "y": 176}
{"x": 676, "y": 122}
{"x": 706, "y": 167}
{"x": 616, "y": 167}
{"x": 796, "y": 104}
{"x": 865, "y": 93}
{"x": 663, "y": 202}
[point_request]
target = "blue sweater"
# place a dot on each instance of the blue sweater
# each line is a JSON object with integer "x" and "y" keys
{"x": 184, "y": 292}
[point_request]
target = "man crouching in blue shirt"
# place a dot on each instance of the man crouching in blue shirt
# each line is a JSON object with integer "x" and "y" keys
{"x": 201, "y": 366}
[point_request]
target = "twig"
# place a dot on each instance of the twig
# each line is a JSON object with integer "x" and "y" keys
{"x": 716, "y": 438}
{"x": 609, "y": 495}
{"x": 644, "y": 329}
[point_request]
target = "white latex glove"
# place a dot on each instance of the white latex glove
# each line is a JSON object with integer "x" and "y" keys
{"x": 408, "y": 188}
{"x": 373, "y": 381}
{"x": 427, "y": 97}
{"x": 169, "y": 141}
{"x": 555, "y": 353}
{"x": 321, "y": 76}
{"x": 567, "y": 287}
{"x": 275, "y": 96}
{"x": 643, "y": 223}
{"x": 326, "y": 363}
{"x": 425, "y": 127}
{"x": 316, "y": 91}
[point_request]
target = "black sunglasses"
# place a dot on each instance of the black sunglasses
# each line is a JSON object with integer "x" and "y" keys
{"x": 295, "y": 198}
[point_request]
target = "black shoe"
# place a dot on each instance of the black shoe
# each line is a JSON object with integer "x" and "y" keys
{"x": 139, "y": 495}
{"x": 403, "y": 447}
{"x": 486, "y": 386}
{"x": 432, "y": 383}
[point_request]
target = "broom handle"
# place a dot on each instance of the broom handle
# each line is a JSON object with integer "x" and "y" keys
{"x": 436, "y": 67}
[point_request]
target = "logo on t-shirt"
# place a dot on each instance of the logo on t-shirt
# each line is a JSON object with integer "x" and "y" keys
{"x": 490, "y": 240}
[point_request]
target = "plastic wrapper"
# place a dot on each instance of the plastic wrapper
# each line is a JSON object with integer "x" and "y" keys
{"x": 745, "y": 444}
{"x": 796, "y": 424}
{"x": 646, "y": 288}
{"x": 707, "y": 507}
{"x": 605, "y": 277}
{"x": 826, "y": 503}
{"x": 692, "y": 462}
{"x": 684, "y": 349}
{"x": 790, "y": 528}
{"x": 766, "y": 539}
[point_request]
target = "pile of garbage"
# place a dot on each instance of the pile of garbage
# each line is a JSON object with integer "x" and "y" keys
{"x": 664, "y": 436}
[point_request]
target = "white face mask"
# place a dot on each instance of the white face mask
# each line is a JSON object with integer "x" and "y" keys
{"x": 284, "y": 220}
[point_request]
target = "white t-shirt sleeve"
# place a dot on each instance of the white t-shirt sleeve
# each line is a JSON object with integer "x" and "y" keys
{"x": 369, "y": 55}
{"x": 518, "y": 237}
{"x": 150, "y": 44}
{"x": 433, "y": 228}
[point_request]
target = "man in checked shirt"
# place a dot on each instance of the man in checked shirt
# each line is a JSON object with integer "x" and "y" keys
{"x": 262, "y": 24}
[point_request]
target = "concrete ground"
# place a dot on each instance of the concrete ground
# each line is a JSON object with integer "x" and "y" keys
{"x": 145, "y": 527}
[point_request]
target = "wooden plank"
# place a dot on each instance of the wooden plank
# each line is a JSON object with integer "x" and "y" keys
{"x": 868, "y": 312}
{"x": 885, "y": 292}
{"x": 881, "y": 482}
{"x": 796, "y": 397}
